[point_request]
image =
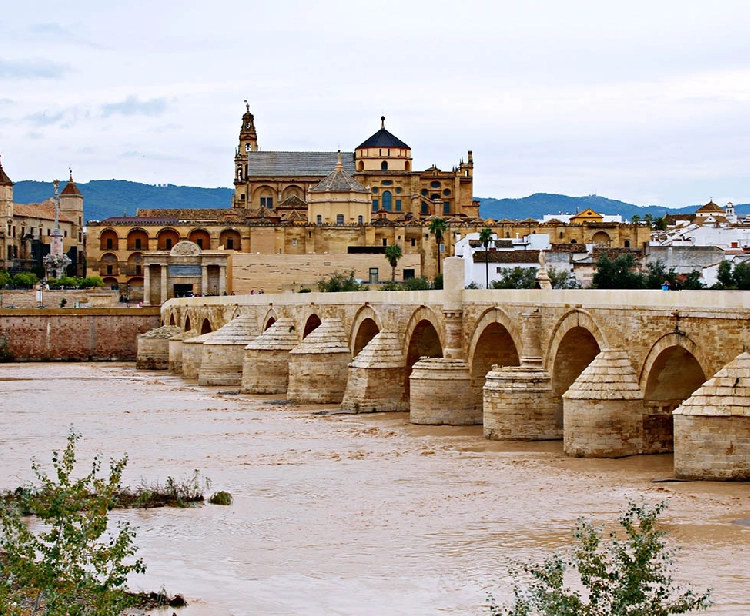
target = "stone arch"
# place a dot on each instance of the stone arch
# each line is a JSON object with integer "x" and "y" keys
{"x": 601, "y": 238}
{"x": 264, "y": 192}
{"x": 674, "y": 368}
{"x": 359, "y": 337}
{"x": 186, "y": 327}
{"x": 496, "y": 340}
{"x": 293, "y": 191}
{"x": 270, "y": 318}
{"x": 231, "y": 239}
{"x": 110, "y": 282}
{"x": 200, "y": 237}
{"x": 109, "y": 265}
{"x": 137, "y": 239}
{"x": 313, "y": 322}
{"x": 423, "y": 339}
{"x": 206, "y": 326}
{"x": 575, "y": 342}
{"x": 109, "y": 240}
{"x": 167, "y": 238}
{"x": 172, "y": 320}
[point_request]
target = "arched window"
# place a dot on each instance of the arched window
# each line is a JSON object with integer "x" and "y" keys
{"x": 360, "y": 220}
{"x": 384, "y": 165}
{"x": 360, "y": 166}
{"x": 424, "y": 209}
{"x": 387, "y": 201}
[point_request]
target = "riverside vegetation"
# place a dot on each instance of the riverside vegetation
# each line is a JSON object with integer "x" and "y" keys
{"x": 78, "y": 563}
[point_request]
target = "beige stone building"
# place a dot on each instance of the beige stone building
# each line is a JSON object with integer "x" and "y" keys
{"x": 26, "y": 229}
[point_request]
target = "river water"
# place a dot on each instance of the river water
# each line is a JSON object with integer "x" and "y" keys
{"x": 341, "y": 514}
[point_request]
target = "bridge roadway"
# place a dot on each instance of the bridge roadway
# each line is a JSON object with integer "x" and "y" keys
{"x": 602, "y": 369}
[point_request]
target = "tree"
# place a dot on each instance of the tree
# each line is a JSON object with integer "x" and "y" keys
{"x": 741, "y": 276}
{"x": 649, "y": 218}
{"x": 617, "y": 273}
{"x": 485, "y": 236}
{"x": 516, "y": 278}
{"x": 339, "y": 282}
{"x": 562, "y": 279}
{"x": 438, "y": 228}
{"x": 625, "y": 575}
{"x": 636, "y": 219}
{"x": 74, "y": 565}
{"x": 657, "y": 273}
{"x": 4, "y": 278}
{"x": 660, "y": 223}
{"x": 724, "y": 278}
{"x": 392, "y": 255}
{"x": 693, "y": 282}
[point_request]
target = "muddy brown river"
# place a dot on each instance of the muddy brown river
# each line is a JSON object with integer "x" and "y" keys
{"x": 342, "y": 514}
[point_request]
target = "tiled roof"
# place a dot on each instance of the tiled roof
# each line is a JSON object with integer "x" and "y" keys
{"x": 262, "y": 164}
{"x": 339, "y": 180}
{"x": 292, "y": 203}
{"x": 137, "y": 221}
{"x": 42, "y": 211}
{"x": 507, "y": 256}
{"x": 71, "y": 189}
{"x": 710, "y": 208}
{"x": 383, "y": 139}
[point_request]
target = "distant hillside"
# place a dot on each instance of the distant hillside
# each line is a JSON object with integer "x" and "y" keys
{"x": 105, "y": 198}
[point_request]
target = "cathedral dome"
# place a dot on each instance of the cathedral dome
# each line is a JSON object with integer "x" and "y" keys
{"x": 383, "y": 139}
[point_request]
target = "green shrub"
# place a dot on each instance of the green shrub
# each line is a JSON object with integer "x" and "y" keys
{"x": 5, "y": 353}
{"x": 25, "y": 280}
{"x": 339, "y": 282}
{"x": 221, "y": 498}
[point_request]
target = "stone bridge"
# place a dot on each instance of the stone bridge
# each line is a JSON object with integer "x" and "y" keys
{"x": 603, "y": 370}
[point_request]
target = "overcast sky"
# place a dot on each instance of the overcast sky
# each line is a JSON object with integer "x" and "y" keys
{"x": 644, "y": 101}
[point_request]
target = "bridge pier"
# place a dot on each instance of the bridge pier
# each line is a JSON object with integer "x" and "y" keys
{"x": 153, "y": 348}
{"x": 265, "y": 369}
{"x": 224, "y": 353}
{"x": 376, "y": 377}
{"x": 318, "y": 366}
{"x": 440, "y": 393}
{"x": 603, "y": 409}
{"x": 175, "y": 349}
{"x": 712, "y": 427}
{"x": 192, "y": 353}
{"x": 518, "y": 403}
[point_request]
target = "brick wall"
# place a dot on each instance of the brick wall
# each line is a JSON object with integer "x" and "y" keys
{"x": 76, "y": 334}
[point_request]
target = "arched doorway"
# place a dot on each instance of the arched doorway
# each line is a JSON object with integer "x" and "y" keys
{"x": 206, "y": 327}
{"x": 424, "y": 342}
{"x": 187, "y": 324}
{"x": 495, "y": 345}
{"x": 368, "y": 329}
{"x": 577, "y": 349}
{"x": 231, "y": 239}
{"x": 201, "y": 237}
{"x": 312, "y": 323}
{"x": 167, "y": 239}
{"x": 674, "y": 375}
{"x": 172, "y": 320}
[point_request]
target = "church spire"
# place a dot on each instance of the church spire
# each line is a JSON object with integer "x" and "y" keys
{"x": 4, "y": 179}
{"x": 248, "y": 136}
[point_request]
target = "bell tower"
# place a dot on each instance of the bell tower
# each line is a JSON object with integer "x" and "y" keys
{"x": 6, "y": 197}
{"x": 71, "y": 204}
{"x": 248, "y": 143}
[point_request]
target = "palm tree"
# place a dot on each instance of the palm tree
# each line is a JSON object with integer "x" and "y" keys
{"x": 392, "y": 255}
{"x": 437, "y": 228}
{"x": 485, "y": 236}
{"x": 649, "y": 220}
{"x": 636, "y": 219}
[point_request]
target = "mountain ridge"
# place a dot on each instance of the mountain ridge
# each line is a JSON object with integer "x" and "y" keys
{"x": 105, "y": 198}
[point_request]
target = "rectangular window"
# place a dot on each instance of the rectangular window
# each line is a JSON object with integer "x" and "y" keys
{"x": 408, "y": 273}
{"x": 294, "y": 242}
{"x": 373, "y": 275}
{"x": 230, "y": 243}
{"x": 385, "y": 242}
{"x": 266, "y": 202}
{"x": 339, "y": 219}
{"x": 374, "y": 205}
{"x": 447, "y": 207}
{"x": 398, "y": 205}
{"x": 319, "y": 219}
{"x": 138, "y": 243}
{"x": 413, "y": 241}
{"x": 199, "y": 241}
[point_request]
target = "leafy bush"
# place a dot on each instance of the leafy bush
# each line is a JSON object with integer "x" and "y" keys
{"x": 516, "y": 278}
{"x": 628, "y": 575}
{"x": 25, "y": 280}
{"x": 5, "y": 353}
{"x": 91, "y": 281}
{"x": 617, "y": 274}
{"x": 221, "y": 498}
{"x": 437, "y": 284}
{"x": 75, "y": 564}
{"x": 339, "y": 282}
{"x": 562, "y": 279}
{"x": 5, "y": 278}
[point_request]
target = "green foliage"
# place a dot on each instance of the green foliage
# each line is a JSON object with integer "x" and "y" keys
{"x": 485, "y": 236}
{"x": 656, "y": 273}
{"x": 725, "y": 280}
{"x": 304, "y": 290}
{"x": 693, "y": 282}
{"x": 438, "y": 227}
{"x": 562, "y": 279}
{"x": 617, "y": 274}
{"x": 221, "y": 498}
{"x": 5, "y": 278}
{"x": 516, "y": 278}
{"x": 660, "y": 224}
{"x": 732, "y": 277}
{"x": 473, "y": 285}
{"x": 392, "y": 255}
{"x": 437, "y": 284}
{"x": 63, "y": 302}
{"x": 74, "y": 565}
{"x": 627, "y": 575}
{"x": 25, "y": 280}
{"x": 339, "y": 282}
{"x": 635, "y": 219}
{"x": 5, "y": 353}
{"x": 410, "y": 284}
{"x": 91, "y": 282}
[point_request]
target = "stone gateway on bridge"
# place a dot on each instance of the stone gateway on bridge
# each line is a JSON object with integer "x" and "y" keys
{"x": 611, "y": 372}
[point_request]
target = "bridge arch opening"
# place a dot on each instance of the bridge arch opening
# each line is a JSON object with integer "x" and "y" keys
{"x": 269, "y": 322}
{"x": 313, "y": 322}
{"x": 495, "y": 345}
{"x": 172, "y": 320}
{"x": 424, "y": 342}
{"x": 187, "y": 324}
{"x": 674, "y": 375}
{"x": 206, "y": 327}
{"x": 367, "y": 330}
{"x": 577, "y": 349}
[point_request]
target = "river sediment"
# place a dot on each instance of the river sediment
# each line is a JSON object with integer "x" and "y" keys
{"x": 348, "y": 514}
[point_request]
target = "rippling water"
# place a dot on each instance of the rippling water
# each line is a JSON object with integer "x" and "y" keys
{"x": 361, "y": 515}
